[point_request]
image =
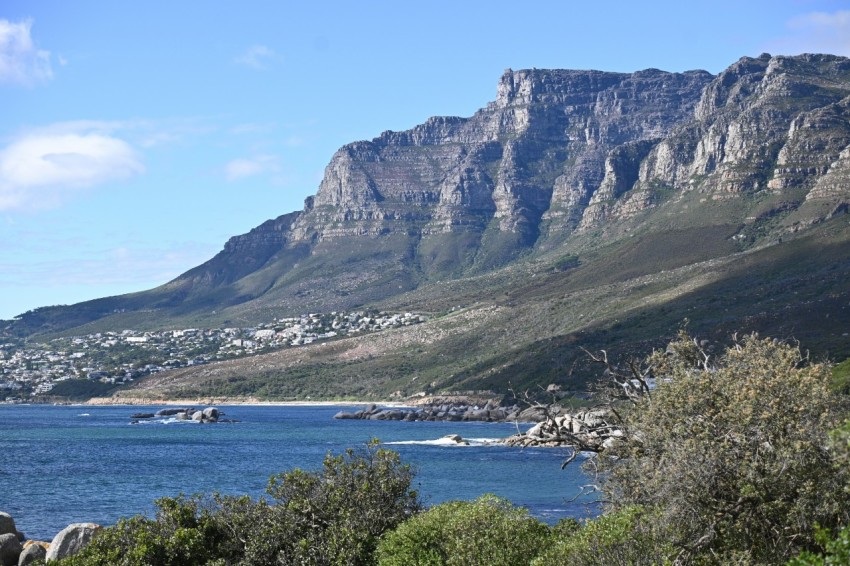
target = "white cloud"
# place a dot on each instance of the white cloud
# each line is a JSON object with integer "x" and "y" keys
{"x": 42, "y": 168}
{"x": 256, "y": 57}
{"x": 816, "y": 32}
{"x": 251, "y": 166}
{"x": 21, "y": 62}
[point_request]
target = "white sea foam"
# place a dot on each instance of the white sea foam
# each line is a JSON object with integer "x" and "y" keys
{"x": 84, "y": 415}
{"x": 165, "y": 421}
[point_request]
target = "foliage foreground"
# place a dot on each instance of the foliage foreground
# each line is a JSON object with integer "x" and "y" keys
{"x": 740, "y": 458}
{"x": 733, "y": 453}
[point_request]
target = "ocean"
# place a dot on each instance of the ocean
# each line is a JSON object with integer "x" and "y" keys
{"x": 68, "y": 464}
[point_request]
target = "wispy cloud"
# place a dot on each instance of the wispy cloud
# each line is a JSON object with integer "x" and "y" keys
{"x": 42, "y": 168}
{"x": 251, "y": 166}
{"x": 816, "y": 32}
{"x": 21, "y": 62}
{"x": 256, "y": 57}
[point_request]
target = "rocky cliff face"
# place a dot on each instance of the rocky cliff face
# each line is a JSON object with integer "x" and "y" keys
{"x": 549, "y": 142}
{"x": 559, "y": 155}
{"x": 563, "y": 151}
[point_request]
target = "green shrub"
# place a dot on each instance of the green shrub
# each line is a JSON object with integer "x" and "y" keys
{"x": 488, "y": 532}
{"x": 624, "y": 537}
{"x": 337, "y": 517}
{"x": 734, "y": 452}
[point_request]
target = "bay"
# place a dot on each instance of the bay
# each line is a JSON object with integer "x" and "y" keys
{"x": 66, "y": 464}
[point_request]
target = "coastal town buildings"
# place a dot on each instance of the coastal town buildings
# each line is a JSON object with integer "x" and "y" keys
{"x": 32, "y": 369}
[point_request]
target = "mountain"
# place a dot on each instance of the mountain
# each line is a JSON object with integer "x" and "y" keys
{"x": 574, "y": 202}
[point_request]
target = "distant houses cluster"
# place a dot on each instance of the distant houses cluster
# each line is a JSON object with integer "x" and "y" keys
{"x": 31, "y": 370}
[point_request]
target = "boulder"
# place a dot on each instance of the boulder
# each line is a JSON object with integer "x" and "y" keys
{"x": 498, "y": 415}
{"x": 535, "y": 431}
{"x": 345, "y": 415}
{"x": 595, "y": 418}
{"x": 7, "y": 524}
{"x": 198, "y": 416}
{"x": 33, "y": 552}
{"x": 10, "y": 549}
{"x": 211, "y": 414}
{"x": 142, "y": 416}
{"x": 71, "y": 540}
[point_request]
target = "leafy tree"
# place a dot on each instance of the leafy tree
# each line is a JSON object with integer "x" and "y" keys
{"x": 733, "y": 452}
{"x": 488, "y": 532}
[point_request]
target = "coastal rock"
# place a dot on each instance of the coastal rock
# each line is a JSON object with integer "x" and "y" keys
{"x": 198, "y": 416}
{"x": 211, "y": 414}
{"x": 593, "y": 429}
{"x": 452, "y": 412}
{"x": 32, "y": 552}
{"x": 71, "y": 540}
{"x": 7, "y": 524}
{"x": 345, "y": 415}
{"x": 142, "y": 416}
{"x": 10, "y": 549}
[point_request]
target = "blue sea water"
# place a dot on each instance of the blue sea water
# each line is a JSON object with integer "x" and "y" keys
{"x": 67, "y": 464}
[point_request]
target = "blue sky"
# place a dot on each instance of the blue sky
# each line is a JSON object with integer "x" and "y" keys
{"x": 136, "y": 137}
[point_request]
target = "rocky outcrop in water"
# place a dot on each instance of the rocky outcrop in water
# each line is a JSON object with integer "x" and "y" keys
{"x": 206, "y": 416}
{"x": 455, "y": 412}
{"x": 590, "y": 429}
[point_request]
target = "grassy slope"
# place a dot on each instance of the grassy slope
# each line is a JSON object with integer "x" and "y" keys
{"x": 526, "y": 325}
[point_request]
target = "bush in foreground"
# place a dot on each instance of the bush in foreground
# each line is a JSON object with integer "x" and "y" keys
{"x": 487, "y": 532}
{"x": 734, "y": 453}
{"x": 627, "y": 536}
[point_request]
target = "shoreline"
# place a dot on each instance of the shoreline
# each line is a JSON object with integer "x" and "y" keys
{"x": 213, "y": 401}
